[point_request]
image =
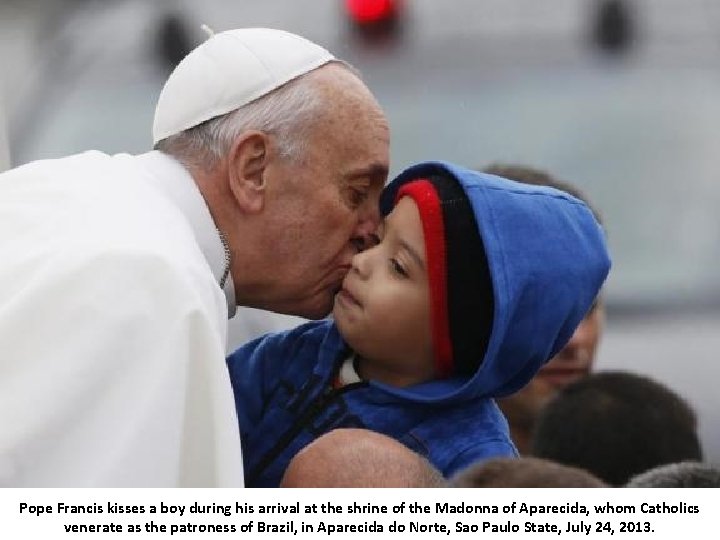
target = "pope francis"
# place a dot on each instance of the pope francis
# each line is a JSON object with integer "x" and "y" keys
{"x": 118, "y": 272}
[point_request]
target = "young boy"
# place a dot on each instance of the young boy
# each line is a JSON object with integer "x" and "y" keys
{"x": 476, "y": 282}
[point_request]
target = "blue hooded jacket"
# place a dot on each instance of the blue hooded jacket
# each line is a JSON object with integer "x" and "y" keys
{"x": 547, "y": 259}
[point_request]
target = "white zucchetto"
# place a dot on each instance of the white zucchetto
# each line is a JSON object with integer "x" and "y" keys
{"x": 229, "y": 70}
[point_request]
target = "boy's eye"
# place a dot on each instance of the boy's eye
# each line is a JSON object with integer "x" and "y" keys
{"x": 398, "y": 268}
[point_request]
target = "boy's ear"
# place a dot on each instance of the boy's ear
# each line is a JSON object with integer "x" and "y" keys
{"x": 247, "y": 165}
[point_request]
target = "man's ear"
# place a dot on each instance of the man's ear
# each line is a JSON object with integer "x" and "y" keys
{"x": 247, "y": 164}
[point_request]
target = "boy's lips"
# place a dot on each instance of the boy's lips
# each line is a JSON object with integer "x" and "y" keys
{"x": 346, "y": 296}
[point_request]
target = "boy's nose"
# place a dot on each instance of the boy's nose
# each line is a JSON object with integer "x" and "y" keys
{"x": 361, "y": 263}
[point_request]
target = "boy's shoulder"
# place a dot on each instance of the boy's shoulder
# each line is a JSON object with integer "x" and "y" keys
{"x": 311, "y": 335}
{"x": 292, "y": 352}
{"x": 309, "y": 332}
{"x": 453, "y": 436}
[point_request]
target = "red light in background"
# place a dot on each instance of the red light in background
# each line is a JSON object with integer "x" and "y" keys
{"x": 371, "y": 11}
{"x": 376, "y": 23}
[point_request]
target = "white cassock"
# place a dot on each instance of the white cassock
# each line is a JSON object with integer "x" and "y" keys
{"x": 113, "y": 327}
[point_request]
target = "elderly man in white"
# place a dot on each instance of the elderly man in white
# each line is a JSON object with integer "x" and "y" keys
{"x": 118, "y": 273}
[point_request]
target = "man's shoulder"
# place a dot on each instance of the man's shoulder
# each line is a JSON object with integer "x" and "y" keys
{"x": 133, "y": 267}
{"x": 155, "y": 237}
{"x": 88, "y": 184}
{"x": 103, "y": 204}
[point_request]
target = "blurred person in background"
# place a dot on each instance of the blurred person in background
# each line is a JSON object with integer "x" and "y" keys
{"x": 617, "y": 425}
{"x": 686, "y": 474}
{"x": 119, "y": 272}
{"x": 358, "y": 458}
{"x": 576, "y": 359}
{"x": 454, "y": 306}
{"x": 523, "y": 472}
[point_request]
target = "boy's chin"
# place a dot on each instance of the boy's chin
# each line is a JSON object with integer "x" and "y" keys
{"x": 344, "y": 328}
{"x": 315, "y": 308}
{"x": 341, "y": 311}
{"x": 341, "y": 323}
{"x": 336, "y": 312}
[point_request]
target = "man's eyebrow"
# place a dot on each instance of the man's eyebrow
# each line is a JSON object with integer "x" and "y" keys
{"x": 414, "y": 254}
{"x": 375, "y": 170}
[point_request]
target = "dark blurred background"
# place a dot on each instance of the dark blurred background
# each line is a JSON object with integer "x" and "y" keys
{"x": 620, "y": 98}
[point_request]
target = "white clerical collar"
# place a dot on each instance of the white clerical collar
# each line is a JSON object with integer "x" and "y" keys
{"x": 348, "y": 374}
{"x": 175, "y": 181}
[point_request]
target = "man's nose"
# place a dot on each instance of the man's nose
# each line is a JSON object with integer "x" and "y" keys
{"x": 365, "y": 234}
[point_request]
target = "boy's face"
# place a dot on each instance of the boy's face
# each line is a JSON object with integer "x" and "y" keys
{"x": 383, "y": 309}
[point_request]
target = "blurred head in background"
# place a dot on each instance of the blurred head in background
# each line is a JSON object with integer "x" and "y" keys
{"x": 576, "y": 359}
{"x": 617, "y": 425}
{"x": 524, "y": 472}
{"x": 686, "y": 474}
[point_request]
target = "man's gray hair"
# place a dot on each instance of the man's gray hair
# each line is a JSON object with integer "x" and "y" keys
{"x": 287, "y": 113}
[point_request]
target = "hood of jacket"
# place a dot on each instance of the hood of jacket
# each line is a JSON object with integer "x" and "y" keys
{"x": 548, "y": 260}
